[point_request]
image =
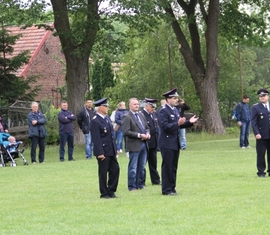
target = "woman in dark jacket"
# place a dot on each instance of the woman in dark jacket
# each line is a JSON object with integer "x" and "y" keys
{"x": 36, "y": 132}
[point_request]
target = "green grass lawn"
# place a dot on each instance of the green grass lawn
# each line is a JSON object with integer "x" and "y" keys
{"x": 219, "y": 193}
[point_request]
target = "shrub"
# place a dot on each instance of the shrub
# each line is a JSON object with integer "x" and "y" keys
{"x": 52, "y": 125}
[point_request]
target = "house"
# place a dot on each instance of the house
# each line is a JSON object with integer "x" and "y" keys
{"x": 45, "y": 60}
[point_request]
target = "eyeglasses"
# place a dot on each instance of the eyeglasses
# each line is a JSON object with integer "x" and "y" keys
{"x": 262, "y": 96}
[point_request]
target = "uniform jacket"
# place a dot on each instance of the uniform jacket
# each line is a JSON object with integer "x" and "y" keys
{"x": 153, "y": 126}
{"x": 65, "y": 119}
{"x": 168, "y": 123}
{"x": 84, "y": 119}
{"x": 260, "y": 120}
{"x": 131, "y": 129}
{"x": 37, "y": 130}
{"x": 103, "y": 136}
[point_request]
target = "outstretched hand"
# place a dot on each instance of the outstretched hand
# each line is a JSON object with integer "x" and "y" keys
{"x": 193, "y": 119}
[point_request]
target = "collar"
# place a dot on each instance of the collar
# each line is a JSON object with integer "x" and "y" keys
{"x": 103, "y": 116}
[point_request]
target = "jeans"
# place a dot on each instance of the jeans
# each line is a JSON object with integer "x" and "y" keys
{"x": 182, "y": 135}
{"x": 244, "y": 134}
{"x": 119, "y": 139}
{"x": 137, "y": 162}
{"x": 40, "y": 141}
{"x": 88, "y": 145}
{"x": 69, "y": 139}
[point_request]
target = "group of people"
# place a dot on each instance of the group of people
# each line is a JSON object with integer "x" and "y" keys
{"x": 144, "y": 133}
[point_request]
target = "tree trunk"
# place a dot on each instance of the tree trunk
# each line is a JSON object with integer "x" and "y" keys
{"x": 77, "y": 50}
{"x": 76, "y": 82}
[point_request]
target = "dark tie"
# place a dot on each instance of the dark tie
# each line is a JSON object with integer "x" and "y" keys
{"x": 140, "y": 123}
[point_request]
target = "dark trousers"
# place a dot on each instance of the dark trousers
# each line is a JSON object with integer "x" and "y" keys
{"x": 69, "y": 139}
{"x": 261, "y": 147}
{"x": 152, "y": 164}
{"x": 169, "y": 170}
{"x": 40, "y": 142}
{"x": 108, "y": 166}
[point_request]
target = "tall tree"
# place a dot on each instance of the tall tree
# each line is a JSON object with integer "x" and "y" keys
{"x": 107, "y": 77}
{"x": 96, "y": 84}
{"x": 76, "y": 23}
{"x": 13, "y": 87}
{"x": 204, "y": 68}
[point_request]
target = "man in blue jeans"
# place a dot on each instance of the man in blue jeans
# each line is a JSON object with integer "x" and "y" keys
{"x": 84, "y": 119}
{"x": 243, "y": 120}
{"x": 66, "y": 131}
{"x": 136, "y": 131}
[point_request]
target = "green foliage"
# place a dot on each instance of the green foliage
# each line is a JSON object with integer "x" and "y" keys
{"x": 110, "y": 40}
{"x": 238, "y": 24}
{"x": 146, "y": 71}
{"x": 13, "y": 87}
{"x": 96, "y": 84}
{"x": 52, "y": 125}
{"x": 107, "y": 76}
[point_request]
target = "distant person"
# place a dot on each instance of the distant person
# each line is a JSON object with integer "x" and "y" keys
{"x": 3, "y": 124}
{"x": 36, "y": 132}
{"x": 84, "y": 121}
{"x": 169, "y": 122}
{"x": 152, "y": 121}
{"x": 105, "y": 150}
{"x": 182, "y": 132}
{"x": 243, "y": 120}
{"x": 162, "y": 103}
{"x": 66, "y": 131}
{"x": 112, "y": 117}
{"x": 136, "y": 131}
{"x": 260, "y": 121}
{"x": 121, "y": 110}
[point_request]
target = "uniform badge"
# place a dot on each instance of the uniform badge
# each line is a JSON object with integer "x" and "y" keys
{"x": 105, "y": 130}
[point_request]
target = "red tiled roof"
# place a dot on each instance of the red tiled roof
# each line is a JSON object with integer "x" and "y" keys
{"x": 32, "y": 40}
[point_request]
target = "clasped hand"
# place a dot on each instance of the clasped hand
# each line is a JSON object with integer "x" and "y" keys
{"x": 145, "y": 136}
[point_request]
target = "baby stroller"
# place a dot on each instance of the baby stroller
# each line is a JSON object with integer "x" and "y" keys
{"x": 9, "y": 152}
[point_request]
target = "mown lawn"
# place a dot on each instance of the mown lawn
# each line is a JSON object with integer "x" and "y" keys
{"x": 219, "y": 193}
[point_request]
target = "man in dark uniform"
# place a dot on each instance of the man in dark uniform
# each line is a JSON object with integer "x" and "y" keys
{"x": 260, "y": 121}
{"x": 151, "y": 118}
{"x": 169, "y": 122}
{"x": 105, "y": 150}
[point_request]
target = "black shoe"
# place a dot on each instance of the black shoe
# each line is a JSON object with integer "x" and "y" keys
{"x": 62, "y": 160}
{"x": 156, "y": 184}
{"x": 261, "y": 176}
{"x": 71, "y": 159}
{"x": 169, "y": 194}
{"x": 105, "y": 197}
{"x": 113, "y": 196}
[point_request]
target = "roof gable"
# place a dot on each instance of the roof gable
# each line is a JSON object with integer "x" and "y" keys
{"x": 32, "y": 40}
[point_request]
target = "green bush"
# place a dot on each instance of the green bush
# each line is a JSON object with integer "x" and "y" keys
{"x": 52, "y": 125}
